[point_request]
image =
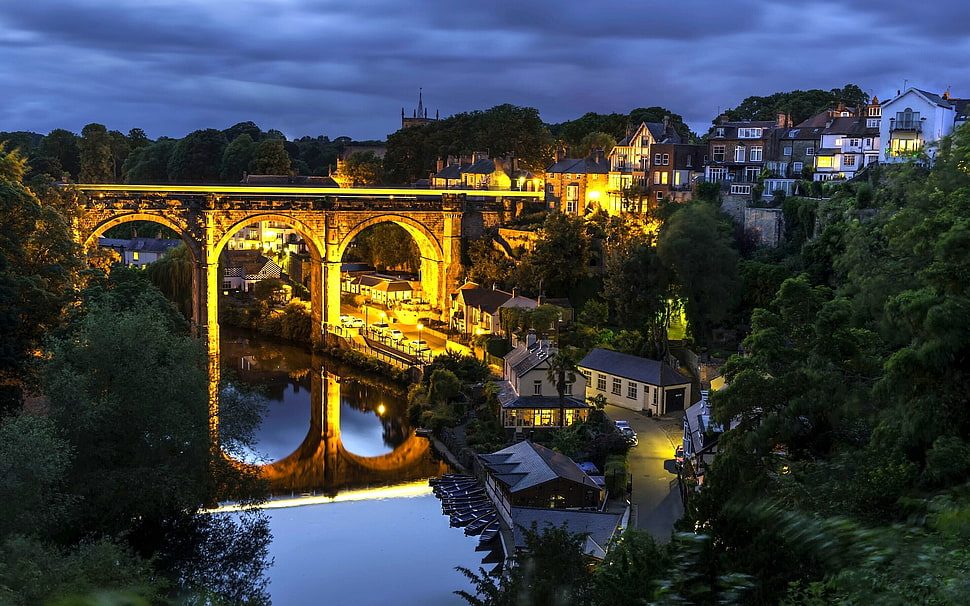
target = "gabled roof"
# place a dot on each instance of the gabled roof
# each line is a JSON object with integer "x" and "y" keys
{"x": 589, "y": 165}
{"x": 522, "y": 359}
{"x": 486, "y": 299}
{"x": 481, "y": 167}
{"x": 630, "y": 367}
{"x": 600, "y": 526}
{"x": 527, "y": 464}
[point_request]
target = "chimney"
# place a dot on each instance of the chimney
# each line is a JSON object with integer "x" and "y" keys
{"x": 598, "y": 155}
{"x": 782, "y": 119}
{"x": 723, "y": 119}
{"x": 440, "y": 164}
{"x": 530, "y": 338}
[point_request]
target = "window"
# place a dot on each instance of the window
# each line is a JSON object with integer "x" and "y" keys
{"x": 656, "y": 159}
{"x": 617, "y": 386}
{"x": 872, "y": 122}
{"x": 796, "y": 168}
{"x": 690, "y": 161}
{"x": 757, "y": 153}
{"x": 134, "y": 256}
{"x": 620, "y": 162}
{"x": 787, "y": 150}
{"x": 660, "y": 178}
{"x": 571, "y": 207}
{"x": 719, "y": 131}
{"x": 848, "y": 161}
{"x": 809, "y": 151}
{"x": 717, "y": 173}
{"x": 868, "y": 143}
{"x": 660, "y": 196}
{"x": 749, "y": 133}
{"x": 742, "y": 190}
{"x": 874, "y": 110}
{"x": 739, "y": 153}
{"x": 666, "y": 159}
{"x": 823, "y": 162}
{"x": 537, "y": 388}
{"x": 588, "y": 376}
{"x": 717, "y": 152}
{"x": 569, "y": 389}
{"x": 253, "y": 234}
{"x": 855, "y": 142}
{"x": 601, "y": 382}
{"x": 631, "y": 391}
{"x": 226, "y": 285}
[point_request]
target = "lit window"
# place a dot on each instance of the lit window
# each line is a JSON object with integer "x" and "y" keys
{"x": 823, "y": 162}
{"x": 660, "y": 178}
{"x": 134, "y": 256}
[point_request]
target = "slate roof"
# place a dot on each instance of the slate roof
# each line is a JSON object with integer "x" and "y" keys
{"x": 588, "y": 165}
{"x": 147, "y": 245}
{"x": 600, "y": 525}
{"x": 486, "y": 299}
{"x": 522, "y": 359}
{"x": 527, "y": 464}
{"x": 544, "y": 402}
{"x": 630, "y": 367}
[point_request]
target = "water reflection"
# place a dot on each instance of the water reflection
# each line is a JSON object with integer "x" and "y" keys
{"x": 327, "y": 429}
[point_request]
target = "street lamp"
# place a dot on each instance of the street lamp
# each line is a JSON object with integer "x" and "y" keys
{"x": 420, "y": 328}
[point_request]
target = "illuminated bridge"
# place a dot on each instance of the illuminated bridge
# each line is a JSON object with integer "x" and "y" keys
{"x": 327, "y": 219}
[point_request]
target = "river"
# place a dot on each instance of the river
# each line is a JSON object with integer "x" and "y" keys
{"x": 348, "y": 526}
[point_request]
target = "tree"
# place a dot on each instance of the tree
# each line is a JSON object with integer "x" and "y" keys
{"x": 39, "y": 262}
{"x": 142, "y": 471}
{"x": 696, "y": 246}
{"x": 562, "y": 372}
{"x": 198, "y": 156}
{"x": 560, "y": 257}
{"x": 62, "y": 147}
{"x": 97, "y": 160}
{"x": 592, "y": 141}
{"x": 172, "y": 275}
{"x": 552, "y": 570}
{"x": 237, "y": 158}
{"x": 270, "y": 158}
{"x": 148, "y": 163}
{"x": 362, "y": 168}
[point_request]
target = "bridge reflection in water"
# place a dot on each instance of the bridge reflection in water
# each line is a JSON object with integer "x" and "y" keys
{"x": 321, "y": 464}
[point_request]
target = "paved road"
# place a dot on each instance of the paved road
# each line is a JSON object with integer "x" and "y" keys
{"x": 656, "y": 496}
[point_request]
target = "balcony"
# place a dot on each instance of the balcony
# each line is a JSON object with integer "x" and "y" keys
{"x": 906, "y": 125}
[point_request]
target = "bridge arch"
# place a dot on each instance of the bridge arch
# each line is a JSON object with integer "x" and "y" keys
{"x": 432, "y": 251}
{"x": 92, "y": 235}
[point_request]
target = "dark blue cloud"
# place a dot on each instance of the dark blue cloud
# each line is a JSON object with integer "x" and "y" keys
{"x": 312, "y": 67}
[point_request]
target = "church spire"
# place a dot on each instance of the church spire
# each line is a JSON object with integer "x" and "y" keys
{"x": 420, "y": 104}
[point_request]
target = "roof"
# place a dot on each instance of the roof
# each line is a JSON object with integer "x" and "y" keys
{"x": 527, "y": 464}
{"x": 522, "y": 359}
{"x": 600, "y": 526}
{"x": 486, "y": 299}
{"x": 630, "y": 367}
{"x": 588, "y": 165}
{"x": 148, "y": 245}
{"x": 544, "y": 402}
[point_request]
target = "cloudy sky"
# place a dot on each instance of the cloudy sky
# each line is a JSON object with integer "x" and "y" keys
{"x": 348, "y": 67}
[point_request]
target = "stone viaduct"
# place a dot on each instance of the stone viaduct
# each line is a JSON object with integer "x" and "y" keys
{"x": 327, "y": 219}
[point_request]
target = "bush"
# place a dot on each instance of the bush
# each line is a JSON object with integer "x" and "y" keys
{"x": 616, "y": 473}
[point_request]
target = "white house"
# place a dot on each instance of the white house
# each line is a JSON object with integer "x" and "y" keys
{"x": 634, "y": 382}
{"x": 529, "y": 399}
{"x": 914, "y": 121}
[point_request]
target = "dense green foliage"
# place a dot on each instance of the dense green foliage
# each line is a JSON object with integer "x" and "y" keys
{"x": 106, "y": 478}
{"x": 798, "y": 104}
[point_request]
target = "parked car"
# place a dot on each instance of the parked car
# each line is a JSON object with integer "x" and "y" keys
{"x": 355, "y": 322}
{"x": 380, "y": 327}
{"x": 630, "y": 436}
{"x": 395, "y": 335}
{"x": 621, "y": 425}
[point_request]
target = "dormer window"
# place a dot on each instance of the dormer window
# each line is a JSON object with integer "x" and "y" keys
{"x": 749, "y": 133}
{"x": 719, "y": 131}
